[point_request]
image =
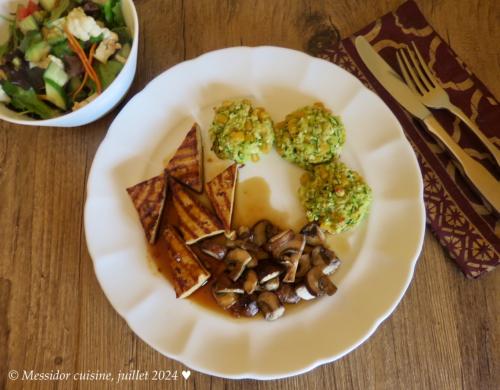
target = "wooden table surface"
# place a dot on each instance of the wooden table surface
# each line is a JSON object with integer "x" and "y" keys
{"x": 445, "y": 334}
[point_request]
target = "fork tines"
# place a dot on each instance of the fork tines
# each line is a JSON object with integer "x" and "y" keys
{"x": 415, "y": 71}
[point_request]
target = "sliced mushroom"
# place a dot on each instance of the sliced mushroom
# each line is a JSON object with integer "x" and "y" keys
{"x": 267, "y": 270}
{"x": 318, "y": 283}
{"x": 286, "y": 294}
{"x": 287, "y": 248}
{"x": 262, "y": 231}
{"x": 331, "y": 267}
{"x": 231, "y": 235}
{"x": 327, "y": 285}
{"x": 308, "y": 248}
{"x": 224, "y": 284}
{"x": 277, "y": 242}
{"x": 303, "y": 266}
{"x": 290, "y": 263}
{"x": 295, "y": 245}
{"x": 303, "y": 292}
{"x": 225, "y": 300}
{"x": 320, "y": 256}
{"x": 250, "y": 281}
{"x": 270, "y": 305}
{"x": 290, "y": 257}
{"x": 244, "y": 233}
{"x": 243, "y": 244}
{"x": 245, "y": 306}
{"x": 273, "y": 284}
{"x": 259, "y": 232}
{"x": 236, "y": 260}
{"x": 261, "y": 254}
{"x": 287, "y": 244}
{"x": 253, "y": 263}
{"x": 213, "y": 249}
{"x": 272, "y": 230}
{"x": 314, "y": 234}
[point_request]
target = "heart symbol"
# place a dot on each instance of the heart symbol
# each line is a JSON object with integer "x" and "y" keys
{"x": 186, "y": 374}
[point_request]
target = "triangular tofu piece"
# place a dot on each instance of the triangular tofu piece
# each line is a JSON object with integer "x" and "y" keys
{"x": 188, "y": 274}
{"x": 220, "y": 191}
{"x": 187, "y": 163}
{"x": 195, "y": 220}
{"x": 149, "y": 199}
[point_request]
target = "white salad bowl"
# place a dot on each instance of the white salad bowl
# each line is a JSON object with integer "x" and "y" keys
{"x": 100, "y": 106}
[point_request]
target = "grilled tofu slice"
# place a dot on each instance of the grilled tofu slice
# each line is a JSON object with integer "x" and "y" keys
{"x": 149, "y": 199}
{"x": 187, "y": 163}
{"x": 195, "y": 220}
{"x": 188, "y": 274}
{"x": 220, "y": 191}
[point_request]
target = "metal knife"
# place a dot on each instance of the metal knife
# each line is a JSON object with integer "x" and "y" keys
{"x": 483, "y": 180}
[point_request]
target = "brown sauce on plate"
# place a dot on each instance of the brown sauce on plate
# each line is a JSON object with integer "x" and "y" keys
{"x": 253, "y": 203}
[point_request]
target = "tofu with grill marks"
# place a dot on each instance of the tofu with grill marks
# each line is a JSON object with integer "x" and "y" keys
{"x": 187, "y": 163}
{"x": 195, "y": 220}
{"x": 220, "y": 191}
{"x": 188, "y": 274}
{"x": 148, "y": 198}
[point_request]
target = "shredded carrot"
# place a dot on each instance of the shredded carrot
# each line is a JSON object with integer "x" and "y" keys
{"x": 78, "y": 51}
{"x": 83, "y": 58}
{"x": 82, "y": 84}
{"x": 86, "y": 77}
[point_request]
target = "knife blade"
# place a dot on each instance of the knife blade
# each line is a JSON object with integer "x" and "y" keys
{"x": 480, "y": 177}
{"x": 389, "y": 79}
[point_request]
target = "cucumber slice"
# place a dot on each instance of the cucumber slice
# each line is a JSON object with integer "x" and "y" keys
{"x": 73, "y": 85}
{"x": 37, "y": 51}
{"x": 48, "y": 4}
{"x": 123, "y": 54}
{"x": 56, "y": 74}
{"x": 125, "y": 50}
{"x": 123, "y": 34}
{"x": 107, "y": 72}
{"x": 27, "y": 24}
{"x": 56, "y": 95}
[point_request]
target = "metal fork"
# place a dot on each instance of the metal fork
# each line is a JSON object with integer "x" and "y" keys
{"x": 423, "y": 83}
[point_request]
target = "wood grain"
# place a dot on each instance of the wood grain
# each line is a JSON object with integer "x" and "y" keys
{"x": 445, "y": 334}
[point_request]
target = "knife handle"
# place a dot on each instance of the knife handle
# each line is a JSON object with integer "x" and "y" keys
{"x": 482, "y": 137}
{"x": 482, "y": 179}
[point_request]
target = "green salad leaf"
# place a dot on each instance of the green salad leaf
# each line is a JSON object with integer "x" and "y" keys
{"x": 118, "y": 15}
{"x": 97, "y": 39}
{"x": 112, "y": 10}
{"x": 4, "y": 48}
{"x": 61, "y": 49}
{"x": 27, "y": 100}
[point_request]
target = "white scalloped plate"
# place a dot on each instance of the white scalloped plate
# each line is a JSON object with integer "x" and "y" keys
{"x": 378, "y": 257}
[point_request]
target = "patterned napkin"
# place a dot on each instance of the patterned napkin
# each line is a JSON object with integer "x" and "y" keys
{"x": 467, "y": 227}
